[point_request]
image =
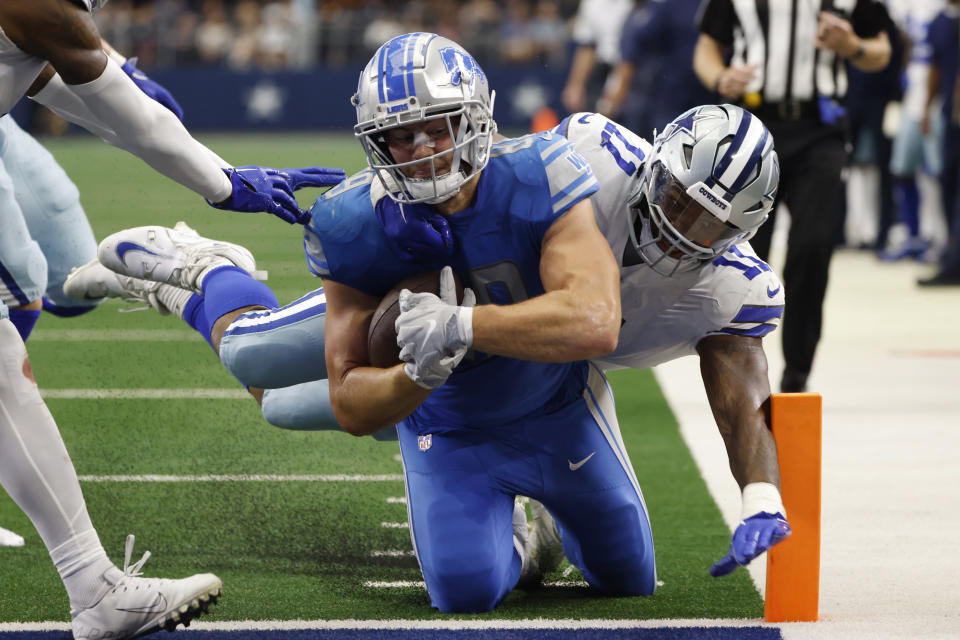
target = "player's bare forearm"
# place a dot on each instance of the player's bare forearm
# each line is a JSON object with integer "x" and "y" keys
{"x": 734, "y": 370}
{"x": 559, "y": 326}
{"x": 59, "y": 31}
{"x": 579, "y": 315}
{"x": 367, "y": 399}
{"x": 364, "y": 399}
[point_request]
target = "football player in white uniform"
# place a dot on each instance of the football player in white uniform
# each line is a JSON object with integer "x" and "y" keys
{"x": 677, "y": 216}
{"x": 52, "y": 50}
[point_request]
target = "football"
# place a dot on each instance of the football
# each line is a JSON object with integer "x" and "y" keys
{"x": 382, "y": 335}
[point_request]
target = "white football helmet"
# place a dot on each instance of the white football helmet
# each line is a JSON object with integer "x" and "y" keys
{"x": 417, "y": 77}
{"x": 709, "y": 182}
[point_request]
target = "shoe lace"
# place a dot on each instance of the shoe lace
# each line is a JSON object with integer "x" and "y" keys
{"x": 128, "y": 570}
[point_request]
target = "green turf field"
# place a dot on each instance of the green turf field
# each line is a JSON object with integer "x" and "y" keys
{"x": 287, "y": 548}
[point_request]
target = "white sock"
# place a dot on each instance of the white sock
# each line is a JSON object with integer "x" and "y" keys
{"x": 37, "y": 472}
{"x": 174, "y": 298}
{"x": 85, "y": 569}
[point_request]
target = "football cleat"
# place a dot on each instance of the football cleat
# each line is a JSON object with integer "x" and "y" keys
{"x": 545, "y": 545}
{"x": 136, "y": 606}
{"x": 178, "y": 256}
{"x": 93, "y": 281}
{"x": 10, "y": 539}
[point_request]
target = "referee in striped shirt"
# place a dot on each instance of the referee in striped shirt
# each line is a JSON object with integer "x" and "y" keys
{"x": 787, "y": 65}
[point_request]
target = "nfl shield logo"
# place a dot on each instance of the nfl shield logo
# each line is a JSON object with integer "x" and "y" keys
{"x": 425, "y": 442}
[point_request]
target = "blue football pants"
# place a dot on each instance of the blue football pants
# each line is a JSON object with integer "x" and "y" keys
{"x": 460, "y": 494}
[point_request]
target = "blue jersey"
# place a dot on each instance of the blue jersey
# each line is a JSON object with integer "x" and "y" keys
{"x": 527, "y": 185}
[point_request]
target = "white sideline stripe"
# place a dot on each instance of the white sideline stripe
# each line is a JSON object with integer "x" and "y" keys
{"x": 115, "y": 335}
{"x": 395, "y": 525}
{"x": 392, "y": 553}
{"x": 451, "y": 625}
{"x": 145, "y": 394}
{"x": 386, "y": 477}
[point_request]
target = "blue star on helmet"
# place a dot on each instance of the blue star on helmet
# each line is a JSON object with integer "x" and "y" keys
{"x": 683, "y": 123}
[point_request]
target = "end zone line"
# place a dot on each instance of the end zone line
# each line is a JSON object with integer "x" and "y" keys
{"x": 452, "y": 625}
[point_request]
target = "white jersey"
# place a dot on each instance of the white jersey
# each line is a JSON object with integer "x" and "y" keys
{"x": 665, "y": 317}
{"x": 18, "y": 70}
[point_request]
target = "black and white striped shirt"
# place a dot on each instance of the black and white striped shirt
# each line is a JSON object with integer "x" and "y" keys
{"x": 777, "y": 37}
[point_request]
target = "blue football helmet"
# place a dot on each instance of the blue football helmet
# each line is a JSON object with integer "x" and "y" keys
{"x": 709, "y": 182}
{"x": 418, "y": 77}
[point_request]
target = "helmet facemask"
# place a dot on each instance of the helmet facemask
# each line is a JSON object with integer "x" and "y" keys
{"x": 417, "y": 78}
{"x": 672, "y": 231}
{"x": 472, "y": 136}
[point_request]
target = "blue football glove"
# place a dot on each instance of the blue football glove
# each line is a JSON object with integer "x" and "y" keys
{"x": 416, "y": 232}
{"x": 150, "y": 87}
{"x": 301, "y": 177}
{"x": 258, "y": 188}
{"x": 755, "y": 535}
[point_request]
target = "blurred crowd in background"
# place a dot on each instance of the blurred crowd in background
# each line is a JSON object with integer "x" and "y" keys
{"x": 297, "y": 34}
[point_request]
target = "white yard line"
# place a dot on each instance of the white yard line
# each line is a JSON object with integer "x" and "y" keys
{"x": 115, "y": 335}
{"x": 395, "y": 525}
{"x": 144, "y": 394}
{"x": 385, "y": 477}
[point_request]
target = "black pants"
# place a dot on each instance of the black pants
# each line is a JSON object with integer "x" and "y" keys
{"x": 812, "y": 158}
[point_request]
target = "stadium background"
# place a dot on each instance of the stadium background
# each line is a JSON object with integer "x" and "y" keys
{"x": 120, "y": 385}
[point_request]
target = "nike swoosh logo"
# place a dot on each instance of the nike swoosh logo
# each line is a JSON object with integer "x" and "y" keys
{"x": 124, "y": 247}
{"x": 576, "y": 465}
{"x": 774, "y": 292}
{"x": 157, "y": 606}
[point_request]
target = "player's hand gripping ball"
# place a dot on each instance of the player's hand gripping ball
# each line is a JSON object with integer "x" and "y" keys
{"x": 382, "y": 335}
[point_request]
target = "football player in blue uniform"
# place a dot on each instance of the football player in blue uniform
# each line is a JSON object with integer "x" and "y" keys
{"x": 523, "y": 413}
{"x": 690, "y": 285}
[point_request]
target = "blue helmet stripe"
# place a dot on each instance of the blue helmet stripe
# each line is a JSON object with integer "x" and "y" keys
{"x": 409, "y": 85}
{"x": 391, "y": 70}
{"x": 734, "y": 147}
{"x": 755, "y": 156}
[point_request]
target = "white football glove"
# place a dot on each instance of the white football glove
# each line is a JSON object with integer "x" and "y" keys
{"x": 434, "y": 333}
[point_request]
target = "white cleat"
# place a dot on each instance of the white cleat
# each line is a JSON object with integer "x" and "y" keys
{"x": 177, "y": 256}
{"x": 10, "y": 539}
{"x": 137, "y": 606}
{"x": 545, "y": 544}
{"x": 93, "y": 281}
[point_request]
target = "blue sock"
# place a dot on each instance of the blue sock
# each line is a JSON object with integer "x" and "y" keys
{"x": 907, "y": 196}
{"x": 65, "y": 312}
{"x": 194, "y": 316}
{"x": 226, "y": 289}
{"x": 24, "y": 320}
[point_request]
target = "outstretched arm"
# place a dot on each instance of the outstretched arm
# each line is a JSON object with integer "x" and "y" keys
{"x": 64, "y": 34}
{"x": 734, "y": 370}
